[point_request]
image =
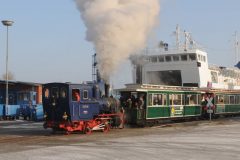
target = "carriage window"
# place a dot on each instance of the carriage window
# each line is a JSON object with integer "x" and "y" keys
{"x": 157, "y": 99}
{"x": 237, "y": 99}
{"x": 164, "y": 99}
{"x": 46, "y": 93}
{"x": 85, "y": 94}
{"x": 232, "y": 99}
{"x": 63, "y": 92}
{"x": 150, "y": 100}
{"x": 220, "y": 99}
{"x": 191, "y": 99}
{"x": 226, "y": 99}
{"x": 76, "y": 95}
{"x": 55, "y": 92}
{"x": 175, "y": 99}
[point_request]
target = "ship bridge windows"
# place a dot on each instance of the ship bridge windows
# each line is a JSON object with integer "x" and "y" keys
{"x": 168, "y": 58}
{"x": 154, "y": 59}
{"x": 184, "y": 57}
{"x": 161, "y": 58}
{"x": 201, "y": 58}
{"x": 192, "y": 57}
{"x": 176, "y": 58}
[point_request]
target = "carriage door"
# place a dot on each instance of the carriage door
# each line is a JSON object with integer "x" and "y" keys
{"x": 76, "y": 97}
{"x": 141, "y": 106}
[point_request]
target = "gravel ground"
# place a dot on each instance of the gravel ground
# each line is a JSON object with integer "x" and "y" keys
{"x": 198, "y": 140}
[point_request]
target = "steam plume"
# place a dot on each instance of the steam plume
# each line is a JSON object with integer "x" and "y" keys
{"x": 117, "y": 28}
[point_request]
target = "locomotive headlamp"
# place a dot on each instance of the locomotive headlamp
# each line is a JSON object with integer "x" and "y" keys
{"x": 65, "y": 116}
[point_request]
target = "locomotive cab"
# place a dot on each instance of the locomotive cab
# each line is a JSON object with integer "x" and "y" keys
{"x": 70, "y": 102}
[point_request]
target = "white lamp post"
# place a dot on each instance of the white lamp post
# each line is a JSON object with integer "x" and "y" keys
{"x": 7, "y": 23}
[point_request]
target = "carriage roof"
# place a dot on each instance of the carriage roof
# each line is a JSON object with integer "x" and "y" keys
{"x": 151, "y": 87}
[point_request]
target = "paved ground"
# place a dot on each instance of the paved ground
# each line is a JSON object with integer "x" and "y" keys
{"x": 197, "y": 140}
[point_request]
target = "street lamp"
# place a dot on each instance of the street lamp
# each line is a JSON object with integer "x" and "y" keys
{"x": 7, "y": 23}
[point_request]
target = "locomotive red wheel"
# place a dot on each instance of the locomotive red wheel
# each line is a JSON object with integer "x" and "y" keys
{"x": 106, "y": 128}
{"x": 67, "y": 132}
{"x": 88, "y": 130}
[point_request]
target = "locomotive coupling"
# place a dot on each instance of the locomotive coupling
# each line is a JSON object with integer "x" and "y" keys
{"x": 65, "y": 116}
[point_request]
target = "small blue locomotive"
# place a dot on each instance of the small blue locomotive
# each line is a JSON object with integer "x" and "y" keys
{"x": 79, "y": 107}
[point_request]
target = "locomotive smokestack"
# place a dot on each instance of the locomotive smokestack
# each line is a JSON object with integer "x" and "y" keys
{"x": 107, "y": 89}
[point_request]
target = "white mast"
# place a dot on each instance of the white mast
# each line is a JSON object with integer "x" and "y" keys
{"x": 177, "y": 37}
{"x": 186, "y": 41}
{"x": 236, "y": 47}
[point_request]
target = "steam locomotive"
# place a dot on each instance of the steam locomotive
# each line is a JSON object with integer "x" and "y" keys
{"x": 80, "y": 107}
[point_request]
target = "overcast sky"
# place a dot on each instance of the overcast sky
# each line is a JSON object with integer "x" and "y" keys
{"x": 47, "y": 41}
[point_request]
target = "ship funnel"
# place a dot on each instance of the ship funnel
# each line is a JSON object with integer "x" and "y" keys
{"x": 237, "y": 65}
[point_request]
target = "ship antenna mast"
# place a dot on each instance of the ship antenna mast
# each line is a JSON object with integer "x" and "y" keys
{"x": 236, "y": 46}
{"x": 177, "y": 36}
{"x": 186, "y": 41}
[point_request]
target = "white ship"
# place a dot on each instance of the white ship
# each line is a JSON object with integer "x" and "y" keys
{"x": 187, "y": 65}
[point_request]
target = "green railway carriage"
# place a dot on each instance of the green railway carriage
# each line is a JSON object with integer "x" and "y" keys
{"x": 151, "y": 104}
{"x": 227, "y": 103}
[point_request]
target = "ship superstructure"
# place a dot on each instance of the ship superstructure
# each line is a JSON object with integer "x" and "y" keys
{"x": 185, "y": 65}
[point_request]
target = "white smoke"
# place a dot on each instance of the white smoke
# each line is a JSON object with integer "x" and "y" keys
{"x": 117, "y": 28}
